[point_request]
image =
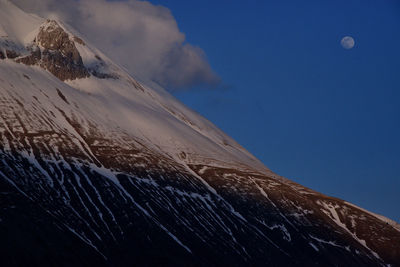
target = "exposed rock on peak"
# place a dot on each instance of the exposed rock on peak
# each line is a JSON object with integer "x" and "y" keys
{"x": 54, "y": 51}
{"x": 52, "y": 37}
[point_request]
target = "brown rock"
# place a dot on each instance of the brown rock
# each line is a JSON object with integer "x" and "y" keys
{"x": 12, "y": 54}
{"x": 62, "y": 67}
{"x": 101, "y": 75}
{"x": 31, "y": 59}
{"x": 60, "y": 56}
{"x": 79, "y": 40}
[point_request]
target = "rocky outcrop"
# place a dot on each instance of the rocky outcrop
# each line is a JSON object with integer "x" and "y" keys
{"x": 79, "y": 40}
{"x": 12, "y": 54}
{"x": 8, "y": 49}
{"x": 33, "y": 58}
{"x": 55, "y": 51}
{"x": 59, "y": 55}
{"x": 53, "y": 38}
{"x": 101, "y": 75}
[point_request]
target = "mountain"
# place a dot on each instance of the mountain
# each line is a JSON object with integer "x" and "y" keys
{"x": 98, "y": 168}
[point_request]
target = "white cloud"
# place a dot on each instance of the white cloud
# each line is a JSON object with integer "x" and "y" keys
{"x": 142, "y": 37}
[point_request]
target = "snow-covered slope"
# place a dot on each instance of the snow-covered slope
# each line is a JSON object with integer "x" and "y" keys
{"x": 16, "y": 24}
{"x": 90, "y": 158}
{"x": 137, "y": 109}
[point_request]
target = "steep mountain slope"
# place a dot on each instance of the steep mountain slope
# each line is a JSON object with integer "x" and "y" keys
{"x": 99, "y": 169}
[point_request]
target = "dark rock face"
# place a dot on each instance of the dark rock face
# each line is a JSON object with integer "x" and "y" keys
{"x": 63, "y": 67}
{"x": 53, "y": 38}
{"x": 101, "y": 75}
{"x": 97, "y": 70}
{"x": 12, "y": 54}
{"x": 33, "y": 58}
{"x": 54, "y": 51}
{"x": 60, "y": 55}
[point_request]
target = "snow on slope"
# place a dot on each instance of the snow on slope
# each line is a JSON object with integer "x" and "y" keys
{"x": 394, "y": 224}
{"x": 3, "y": 32}
{"x": 16, "y": 24}
{"x": 148, "y": 113}
{"x": 143, "y": 112}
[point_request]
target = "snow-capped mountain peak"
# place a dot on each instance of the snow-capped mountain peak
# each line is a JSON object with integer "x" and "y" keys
{"x": 54, "y": 48}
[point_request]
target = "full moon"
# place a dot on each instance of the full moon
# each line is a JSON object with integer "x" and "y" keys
{"x": 347, "y": 42}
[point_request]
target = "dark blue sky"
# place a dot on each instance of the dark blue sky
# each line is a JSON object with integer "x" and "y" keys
{"x": 323, "y": 116}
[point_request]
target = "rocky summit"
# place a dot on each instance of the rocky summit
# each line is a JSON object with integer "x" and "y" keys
{"x": 53, "y": 50}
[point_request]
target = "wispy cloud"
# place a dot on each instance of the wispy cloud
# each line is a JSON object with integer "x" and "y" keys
{"x": 142, "y": 37}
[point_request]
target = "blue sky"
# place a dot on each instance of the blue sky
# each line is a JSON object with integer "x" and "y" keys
{"x": 323, "y": 116}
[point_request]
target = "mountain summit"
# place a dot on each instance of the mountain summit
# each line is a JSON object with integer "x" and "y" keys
{"x": 99, "y": 168}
